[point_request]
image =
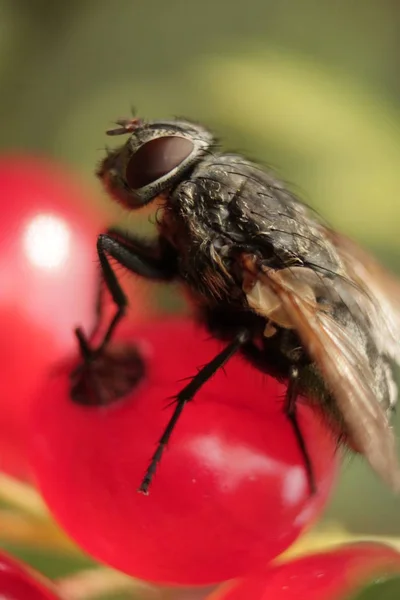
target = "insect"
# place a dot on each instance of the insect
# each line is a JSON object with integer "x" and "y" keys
{"x": 300, "y": 301}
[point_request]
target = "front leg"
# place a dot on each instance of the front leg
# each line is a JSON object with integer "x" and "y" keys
{"x": 153, "y": 260}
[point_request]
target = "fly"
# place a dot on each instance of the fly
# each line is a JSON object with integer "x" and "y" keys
{"x": 298, "y": 300}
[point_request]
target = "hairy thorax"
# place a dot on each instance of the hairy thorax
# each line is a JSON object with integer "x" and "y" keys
{"x": 227, "y": 208}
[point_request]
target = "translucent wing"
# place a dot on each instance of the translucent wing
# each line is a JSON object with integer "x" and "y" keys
{"x": 382, "y": 292}
{"x": 345, "y": 369}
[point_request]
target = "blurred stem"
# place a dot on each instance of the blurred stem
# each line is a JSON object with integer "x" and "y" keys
{"x": 22, "y": 496}
{"x": 95, "y": 583}
{"x": 17, "y": 528}
{"x": 91, "y": 584}
{"x": 28, "y": 520}
{"x": 330, "y": 536}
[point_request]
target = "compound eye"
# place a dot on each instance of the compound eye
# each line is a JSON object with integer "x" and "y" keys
{"x": 156, "y": 159}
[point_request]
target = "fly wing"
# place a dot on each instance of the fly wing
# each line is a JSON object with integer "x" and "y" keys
{"x": 345, "y": 370}
{"x": 381, "y": 297}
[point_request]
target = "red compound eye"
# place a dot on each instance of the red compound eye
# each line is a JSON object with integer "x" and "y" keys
{"x": 156, "y": 159}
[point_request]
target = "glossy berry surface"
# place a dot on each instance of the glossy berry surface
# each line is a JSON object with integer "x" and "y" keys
{"x": 17, "y": 582}
{"x": 48, "y": 272}
{"x": 231, "y": 491}
{"x": 331, "y": 575}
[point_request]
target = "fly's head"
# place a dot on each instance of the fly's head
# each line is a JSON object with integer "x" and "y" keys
{"x": 156, "y": 157}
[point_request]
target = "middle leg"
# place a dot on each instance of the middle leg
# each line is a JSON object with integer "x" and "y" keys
{"x": 187, "y": 394}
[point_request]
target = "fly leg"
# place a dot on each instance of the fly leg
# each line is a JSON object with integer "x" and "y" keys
{"x": 143, "y": 258}
{"x": 259, "y": 358}
{"x": 291, "y": 413}
{"x": 149, "y": 260}
{"x": 187, "y": 394}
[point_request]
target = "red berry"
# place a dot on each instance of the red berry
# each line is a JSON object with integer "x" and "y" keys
{"x": 330, "y": 575}
{"x": 231, "y": 491}
{"x": 17, "y": 582}
{"x": 48, "y": 272}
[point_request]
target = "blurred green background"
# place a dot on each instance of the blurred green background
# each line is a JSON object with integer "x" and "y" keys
{"x": 311, "y": 88}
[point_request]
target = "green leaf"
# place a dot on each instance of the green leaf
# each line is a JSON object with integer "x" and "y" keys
{"x": 385, "y": 589}
{"x": 51, "y": 564}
